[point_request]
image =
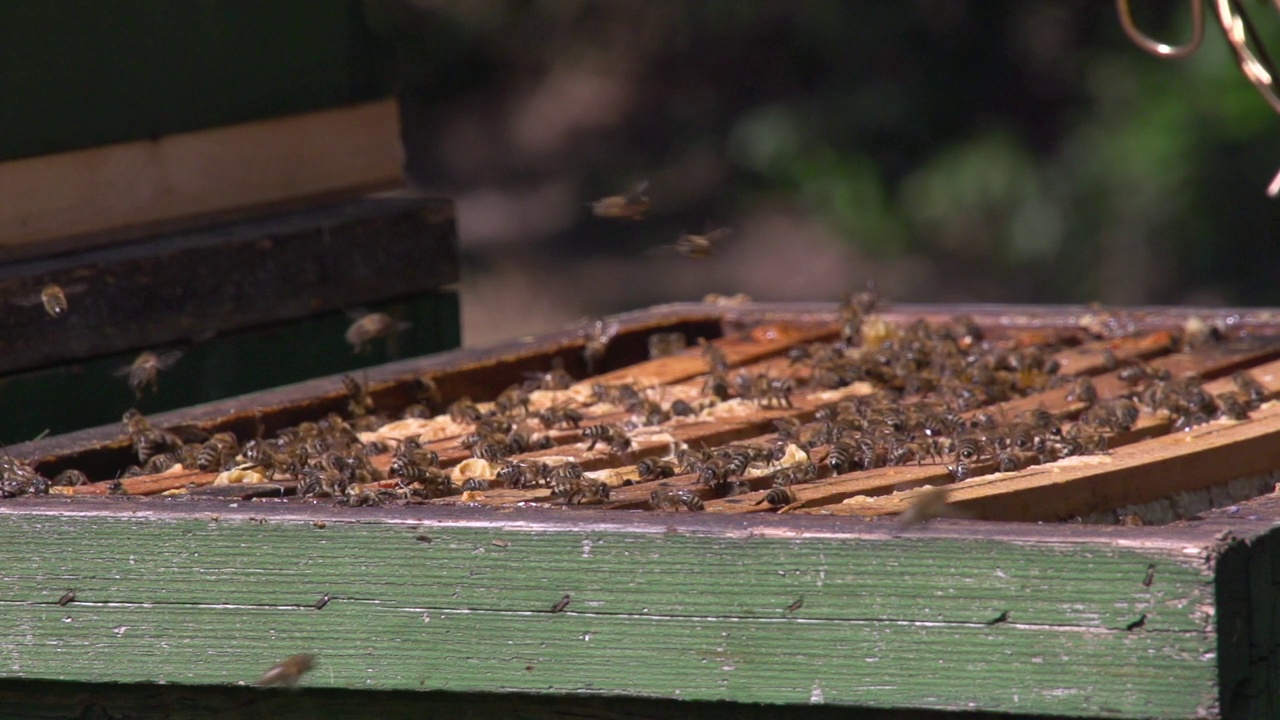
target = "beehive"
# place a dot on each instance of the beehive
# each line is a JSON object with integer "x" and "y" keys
{"x": 720, "y": 587}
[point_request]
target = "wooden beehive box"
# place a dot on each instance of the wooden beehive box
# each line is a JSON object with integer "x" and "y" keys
{"x": 234, "y": 173}
{"x": 1135, "y": 581}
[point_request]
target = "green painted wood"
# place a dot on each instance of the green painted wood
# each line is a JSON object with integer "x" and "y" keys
{"x": 81, "y": 73}
{"x": 87, "y": 394}
{"x": 885, "y": 622}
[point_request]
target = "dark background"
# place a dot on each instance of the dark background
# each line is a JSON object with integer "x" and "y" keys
{"x": 1021, "y": 150}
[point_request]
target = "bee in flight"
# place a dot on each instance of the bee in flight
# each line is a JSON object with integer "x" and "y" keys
{"x": 53, "y": 297}
{"x": 289, "y": 671}
{"x": 370, "y": 327}
{"x": 633, "y": 205}
{"x": 145, "y": 370}
{"x": 697, "y": 246}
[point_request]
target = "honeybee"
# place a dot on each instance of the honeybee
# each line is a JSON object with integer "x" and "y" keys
{"x": 554, "y": 379}
{"x": 512, "y": 402}
{"x": 673, "y": 499}
{"x": 580, "y": 491}
{"x": 520, "y": 475}
{"x": 1253, "y": 390}
{"x": 633, "y": 205}
{"x": 597, "y": 335}
{"x": 216, "y": 451}
{"x": 559, "y": 415}
{"x": 372, "y": 326}
{"x": 146, "y": 368}
{"x": 651, "y": 469}
{"x": 1082, "y": 390}
{"x": 700, "y": 246}
{"x": 70, "y": 478}
{"x": 289, "y": 671}
{"x": 777, "y": 497}
{"x": 1232, "y": 406}
{"x": 463, "y": 410}
{"x": 664, "y": 344}
{"x": 53, "y": 297}
{"x": 717, "y": 361}
{"x": 613, "y": 435}
{"x": 359, "y": 402}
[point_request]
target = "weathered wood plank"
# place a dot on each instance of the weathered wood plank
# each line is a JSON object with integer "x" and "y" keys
{"x": 883, "y": 622}
{"x": 251, "y": 273}
{"x": 98, "y": 196}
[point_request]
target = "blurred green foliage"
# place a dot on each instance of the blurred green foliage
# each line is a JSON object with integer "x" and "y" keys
{"x": 1026, "y": 141}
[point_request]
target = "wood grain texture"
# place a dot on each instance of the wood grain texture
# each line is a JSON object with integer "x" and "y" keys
{"x": 89, "y": 197}
{"x": 251, "y": 273}
{"x": 885, "y": 622}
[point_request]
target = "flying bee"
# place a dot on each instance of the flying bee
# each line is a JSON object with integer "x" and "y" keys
{"x": 559, "y": 415}
{"x": 674, "y": 499}
{"x": 554, "y": 379}
{"x": 699, "y": 246}
{"x": 929, "y": 504}
{"x": 597, "y": 337}
{"x": 370, "y": 327}
{"x": 289, "y": 671}
{"x": 633, "y": 205}
{"x": 53, "y": 297}
{"x": 613, "y": 435}
{"x": 668, "y": 343}
{"x": 146, "y": 368}
{"x": 777, "y": 497}
{"x": 513, "y": 401}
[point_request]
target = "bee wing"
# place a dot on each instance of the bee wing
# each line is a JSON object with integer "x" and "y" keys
{"x": 28, "y": 300}
{"x": 661, "y": 250}
{"x": 718, "y": 236}
{"x": 400, "y": 326}
{"x": 166, "y": 360}
{"x": 121, "y": 372}
{"x": 637, "y": 191}
{"x": 73, "y": 288}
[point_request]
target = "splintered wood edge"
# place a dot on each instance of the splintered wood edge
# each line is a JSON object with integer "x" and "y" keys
{"x": 85, "y": 193}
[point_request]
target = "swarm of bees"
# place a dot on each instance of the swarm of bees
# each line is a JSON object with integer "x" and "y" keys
{"x": 926, "y": 396}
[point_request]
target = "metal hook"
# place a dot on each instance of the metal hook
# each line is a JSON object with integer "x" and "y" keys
{"x": 1257, "y": 67}
{"x": 1160, "y": 49}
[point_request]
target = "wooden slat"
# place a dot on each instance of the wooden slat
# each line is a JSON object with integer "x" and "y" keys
{"x": 89, "y": 197}
{"x": 228, "y": 277}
